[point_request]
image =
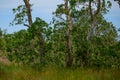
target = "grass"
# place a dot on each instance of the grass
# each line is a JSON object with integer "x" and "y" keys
{"x": 13, "y": 72}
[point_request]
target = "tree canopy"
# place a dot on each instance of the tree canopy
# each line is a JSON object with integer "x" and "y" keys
{"x": 79, "y": 36}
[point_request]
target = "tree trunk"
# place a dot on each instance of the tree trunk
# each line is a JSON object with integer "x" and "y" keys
{"x": 27, "y": 4}
{"x": 69, "y": 59}
{"x": 69, "y": 55}
{"x": 91, "y": 30}
{"x": 93, "y": 19}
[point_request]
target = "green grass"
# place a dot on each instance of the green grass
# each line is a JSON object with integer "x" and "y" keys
{"x": 13, "y": 72}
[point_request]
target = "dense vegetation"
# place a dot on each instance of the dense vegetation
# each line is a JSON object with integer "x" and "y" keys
{"x": 13, "y": 72}
{"x": 79, "y": 37}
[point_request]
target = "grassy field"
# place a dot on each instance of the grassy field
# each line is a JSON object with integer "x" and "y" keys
{"x": 12, "y": 72}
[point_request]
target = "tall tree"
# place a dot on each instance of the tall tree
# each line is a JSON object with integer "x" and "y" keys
{"x": 65, "y": 23}
{"x": 23, "y": 15}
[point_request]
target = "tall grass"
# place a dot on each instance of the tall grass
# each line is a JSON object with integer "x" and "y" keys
{"x": 13, "y": 72}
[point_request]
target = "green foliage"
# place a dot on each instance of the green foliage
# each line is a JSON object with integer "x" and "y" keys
{"x": 1, "y": 32}
{"x": 26, "y": 46}
{"x": 20, "y": 15}
{"x": 42, "y": 45}
{"x": 96, "y": 52}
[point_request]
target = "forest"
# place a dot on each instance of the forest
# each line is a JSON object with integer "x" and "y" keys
{"x": 78, "y": 44}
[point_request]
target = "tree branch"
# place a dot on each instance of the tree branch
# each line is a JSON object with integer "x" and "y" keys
{"x": 90, "y": 8}
{"x": 27, "y": 25}
{"x": 98, "y": 8}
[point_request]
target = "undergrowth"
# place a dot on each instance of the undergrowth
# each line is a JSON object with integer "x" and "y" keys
{"x": 14, "y": 72}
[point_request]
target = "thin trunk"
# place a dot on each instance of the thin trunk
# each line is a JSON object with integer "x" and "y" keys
{"x": 27, "y": 4}
{"x": 68, "y": 34}
{"x": 93, "y": 19}
{"x": 91, "y": 30}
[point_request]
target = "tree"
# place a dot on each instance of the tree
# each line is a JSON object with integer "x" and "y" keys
{"x": 66, "y": 24}
{"x": 23, "y": 14}
{"x": 28, "y": 46}
{"x": 96, "y": 10}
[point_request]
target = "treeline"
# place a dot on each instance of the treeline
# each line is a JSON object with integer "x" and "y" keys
{"x": 79, "y": 37}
